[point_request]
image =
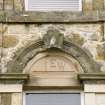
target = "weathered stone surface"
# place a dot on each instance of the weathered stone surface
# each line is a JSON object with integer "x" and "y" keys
{"x": 54, "y": 65}
{"x": 100, "y": 48}
{"x": 10, "y": 79}
{"x": 9, "y": 41}
{"x": 104, "y": 31}
{"x": 52, "y": 17}
{"x": 1, "y": 4}
{"x": 98, "y": 4}
{"x": 6, "y": 99}
{"x": 87, "y": 5}
{"x": 81, "y": 33}
{"x": 97, "y": 50}
{"x": 2, "y": 16}
{"x": 26, "y": 35}
{"x": 8, "y": 4}
{"x": 0, "y": 57}
{"x": 0, "y": 45}
{"x": 51, "y": 38}
{"x": 17, "y": 99}
{"x": 0, "y": 35}
{"x": 19, "y": 5}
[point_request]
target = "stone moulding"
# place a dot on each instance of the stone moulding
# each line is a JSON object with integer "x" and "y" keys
{"x": 51, "y": 17}
{"x": 10, "y": 78}
{"x": 91, "y": 76}
{"x": 23, "y": 56}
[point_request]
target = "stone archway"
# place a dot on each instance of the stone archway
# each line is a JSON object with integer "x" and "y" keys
{"x": 50, "y": 41}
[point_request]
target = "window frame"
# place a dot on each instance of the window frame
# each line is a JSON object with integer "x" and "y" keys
{"x": 79, "y": 10}
{"x": 82, "y": 95}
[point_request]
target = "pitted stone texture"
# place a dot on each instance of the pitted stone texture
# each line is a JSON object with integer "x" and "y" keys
{"x": 0, "y": 45}
{"x": 27, "y": 34}
{"x": 19, "y": 5}
{"x": 5, "y": 98}
{"x": 8, "y": 4}
{"x": 9, "y": 41}
{"x": 87, "y": 5}
{"x": 98, "y": 4}
{"x": 1, "y": 4}
{"x": 97, "y": 50}
{"x": 104, "y": 31}
{"x": 22, "y": 35}
{"x": 79, "y": 34}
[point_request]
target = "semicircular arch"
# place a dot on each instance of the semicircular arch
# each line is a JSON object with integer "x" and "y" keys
{"x": 23, "y": 56}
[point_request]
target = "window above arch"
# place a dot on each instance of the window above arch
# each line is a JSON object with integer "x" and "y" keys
{"x": 53, "y": 5}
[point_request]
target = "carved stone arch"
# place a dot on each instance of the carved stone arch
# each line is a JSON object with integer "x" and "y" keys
{"x": 23, "y": 56}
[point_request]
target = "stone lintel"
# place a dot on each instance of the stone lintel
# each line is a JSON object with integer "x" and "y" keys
{"x": 13, "y": 78}
{"x": 52, "y": 17}
{"x": 91, "y": 76}
{"x": 32, "y": 88}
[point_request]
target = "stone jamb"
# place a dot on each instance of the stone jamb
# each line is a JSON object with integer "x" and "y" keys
{"x": 11, "y": 88}
{"x": 93, "y": 84}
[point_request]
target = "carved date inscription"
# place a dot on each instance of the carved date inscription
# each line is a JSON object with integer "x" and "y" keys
{"x": 54, "y": 63}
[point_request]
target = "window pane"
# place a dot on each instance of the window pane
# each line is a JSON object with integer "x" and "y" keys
{"x": 44, "y": 5}
{"x": 53, "y": 99}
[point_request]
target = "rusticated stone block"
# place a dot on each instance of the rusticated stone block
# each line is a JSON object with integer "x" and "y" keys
{"x": 98, "y": 4}
{"x": 9, "y": 41}
{"x": 8, "y": 4}
{"x": 0, "y": 35}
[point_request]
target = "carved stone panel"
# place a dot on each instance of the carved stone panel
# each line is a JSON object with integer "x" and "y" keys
{"x": 53, "y": 69}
